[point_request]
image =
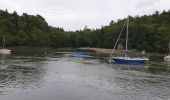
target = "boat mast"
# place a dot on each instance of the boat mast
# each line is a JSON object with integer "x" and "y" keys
{"x": 169, "y": 48}
{"x": 118, "y": 39}
{"x": 4, "y": 43}
{"x": 127, "y": 38}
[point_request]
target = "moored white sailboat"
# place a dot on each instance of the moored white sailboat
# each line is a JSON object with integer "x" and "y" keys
{"x": 126, "y": 58}
{"x": 3, "y": 50}
{"x": 167, "y": 57}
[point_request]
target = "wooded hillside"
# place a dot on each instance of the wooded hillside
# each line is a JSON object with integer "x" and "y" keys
{"x": 148, "y": 32}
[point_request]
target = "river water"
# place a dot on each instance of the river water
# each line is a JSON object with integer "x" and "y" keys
{"x": 61, "y": 76}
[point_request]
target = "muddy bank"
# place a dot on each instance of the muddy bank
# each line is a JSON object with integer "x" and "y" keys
{"x": 96, "y": 50}
{"x": 24, "y": 49}
{"x": 108, "y": 51}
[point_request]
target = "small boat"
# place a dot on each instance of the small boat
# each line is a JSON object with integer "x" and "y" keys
{"x": 126, "y": 58}
{"x": 3, "y": 50}
{"x": 167, "y": 57}
{"x": 129, "y": 60}
{"x": 80, "y": 54}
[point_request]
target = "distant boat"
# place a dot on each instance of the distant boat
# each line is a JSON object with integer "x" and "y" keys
{"x": 80, "y": 54}
{"x": 3, "y": 50}
{"x": 126, "y": 58}
{"x": 167, "y": 57}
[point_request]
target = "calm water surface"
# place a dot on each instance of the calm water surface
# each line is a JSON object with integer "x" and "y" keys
{"x": 60, "y": 76}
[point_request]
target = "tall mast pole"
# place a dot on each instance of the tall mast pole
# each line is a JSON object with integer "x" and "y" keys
{"x": 127, "y": 37}
{"x": 169, "y": 47}
{"x": 4, "y": 42}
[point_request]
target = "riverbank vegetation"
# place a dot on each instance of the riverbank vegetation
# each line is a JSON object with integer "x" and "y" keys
{"x": 148, "y": 32}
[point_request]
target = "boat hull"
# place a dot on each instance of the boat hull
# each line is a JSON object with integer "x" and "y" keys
{"x": 79, "y": 54}
{"x": 128, "y": 60}
{"x": 167, "y": 58}
{"x": 5, "y": 51}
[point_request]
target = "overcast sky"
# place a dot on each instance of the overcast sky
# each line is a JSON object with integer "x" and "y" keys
{"x": 75, "y": 14}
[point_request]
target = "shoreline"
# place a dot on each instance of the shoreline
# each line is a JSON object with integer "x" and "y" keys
{"x": 108, "y": 51}
{"x": 25, "y": 49}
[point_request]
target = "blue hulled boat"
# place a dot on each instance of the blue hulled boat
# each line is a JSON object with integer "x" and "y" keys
{"x": 80, "y": 54}
{"x": 129, "y": 60}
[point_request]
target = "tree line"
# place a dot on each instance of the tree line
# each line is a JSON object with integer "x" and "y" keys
{"x": 148, "y": 32}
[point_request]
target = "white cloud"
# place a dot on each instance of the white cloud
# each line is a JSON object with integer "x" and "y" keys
{"x": 75, "y": 14}
{"x": 147, "y": 3}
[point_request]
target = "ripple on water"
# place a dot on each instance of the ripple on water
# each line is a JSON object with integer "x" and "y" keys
{"x": 64, "y": 77}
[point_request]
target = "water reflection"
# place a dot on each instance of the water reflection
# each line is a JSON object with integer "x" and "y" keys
{"x": 148, "y": 81}
{"x": 64, "y": 77}
{"x": 159, "y": 69}
{"x": 20, "y": 72}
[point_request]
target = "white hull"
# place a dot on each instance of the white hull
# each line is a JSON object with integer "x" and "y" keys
{"x": 167, "y": 58}
{"x": 5, "y": 51}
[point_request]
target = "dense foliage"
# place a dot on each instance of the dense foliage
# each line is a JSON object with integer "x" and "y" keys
{"x": 151, "y": 33}
{"x": 148, "y": 32}
{"x": 29, "y": 30}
